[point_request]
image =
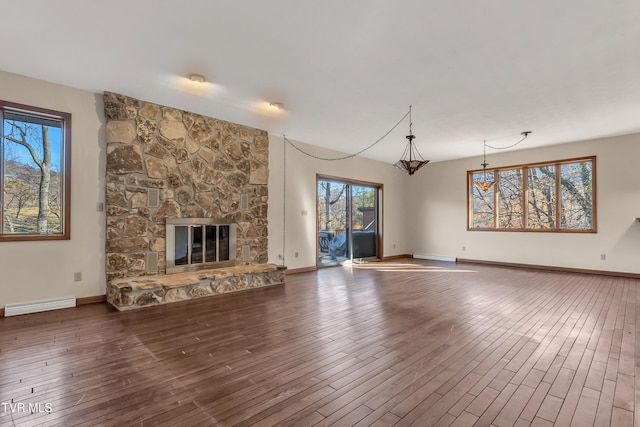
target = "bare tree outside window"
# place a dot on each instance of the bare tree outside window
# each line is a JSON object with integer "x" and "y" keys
{"x": 541, "y": 203}
{"x": 34, "y": 161}
{"x": 576, "y": 196}
{"x": 510, "y": 198}
{"x": 483, "y": 204}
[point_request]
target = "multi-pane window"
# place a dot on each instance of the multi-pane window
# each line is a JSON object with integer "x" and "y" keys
{"x": 34, "y": 173}
{"x": 550, "y": 196}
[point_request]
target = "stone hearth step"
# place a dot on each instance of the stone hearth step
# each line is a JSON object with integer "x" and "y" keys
{"x": 134, "y": 292}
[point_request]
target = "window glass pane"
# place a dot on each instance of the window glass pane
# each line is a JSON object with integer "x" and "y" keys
{"x": 541, "y": 204}
{"x": 576, "y": 189}
{"x": 333, "y": 221}
{"x": 197, "y": 253}
{"x": 224, "y": 241}
{"x": 332, "y": 206}
{"x": 32, "y": 156}
{"x": 363, "y": 221}
{"x": 181, "y": 234}
{"x": 510, "y": 198}
{"x": 211, "y": 240}
{"x": 483, "y": 202}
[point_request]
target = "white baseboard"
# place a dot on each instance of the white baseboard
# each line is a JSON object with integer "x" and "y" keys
{"x": 37, "y": 306}
{"x": 435, "y": 257}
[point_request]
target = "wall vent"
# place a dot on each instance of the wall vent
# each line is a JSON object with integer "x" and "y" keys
{"x": 38, "y": 306}
{"x": 246, "y": 253}
{"x": 244, "y": 202}
{"x": 153, "y": 197}
{"x": 152, "y": 262}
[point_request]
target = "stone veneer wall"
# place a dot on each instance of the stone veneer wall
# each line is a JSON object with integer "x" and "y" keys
{"x": 200, "y": 165}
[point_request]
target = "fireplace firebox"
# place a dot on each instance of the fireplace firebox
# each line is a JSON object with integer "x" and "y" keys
{"x": 198, "y": 243}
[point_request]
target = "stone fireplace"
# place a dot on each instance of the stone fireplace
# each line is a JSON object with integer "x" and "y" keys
{"x": 164, "y": 163}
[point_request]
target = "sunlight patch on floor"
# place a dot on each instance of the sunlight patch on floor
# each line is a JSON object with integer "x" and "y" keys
{"x": 406, "y": 267}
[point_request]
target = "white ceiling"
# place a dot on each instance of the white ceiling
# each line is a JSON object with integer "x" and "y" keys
{"x": 347, "y": 71}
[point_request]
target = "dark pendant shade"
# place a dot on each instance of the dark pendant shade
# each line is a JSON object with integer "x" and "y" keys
{"x": 411, "y": 160}
{"x": 410, "y": 166}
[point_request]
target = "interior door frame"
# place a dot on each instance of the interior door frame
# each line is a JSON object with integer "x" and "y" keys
{"x": 380, "y": 211}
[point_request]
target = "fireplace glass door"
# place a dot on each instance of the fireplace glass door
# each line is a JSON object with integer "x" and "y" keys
{"x": 181, "y": 235}
{"x": 199, "y": 243}
{"x": 211, "y": 240}
{"x": 190, "y": 246}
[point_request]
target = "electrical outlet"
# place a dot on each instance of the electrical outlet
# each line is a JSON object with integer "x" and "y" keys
{"x": 603, "y": 257}
{"x": 77, "y": 276}
{"x": 464, "y": 248}
{"x": 100, "y": 207}
{"x": 295, "y": 254}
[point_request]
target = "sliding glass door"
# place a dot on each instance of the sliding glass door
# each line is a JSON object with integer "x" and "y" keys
{"x": 348, "y": 224}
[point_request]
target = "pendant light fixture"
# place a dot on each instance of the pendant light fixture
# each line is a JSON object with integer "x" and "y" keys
{"x": 489, "y": 181}
{"x": 411, "y": 159}
{"x": 486, "y": 183}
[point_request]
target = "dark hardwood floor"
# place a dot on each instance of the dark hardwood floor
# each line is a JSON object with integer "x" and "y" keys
{"x": 400, "y": 343}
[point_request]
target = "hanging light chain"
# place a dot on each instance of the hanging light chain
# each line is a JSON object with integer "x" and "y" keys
{"x": 484, "y": 161}
{"x": 485, "y": 145}
{"x": 525, "y": 133}
{"x": 349, "y": 156}
{"x": 485, "y": 184}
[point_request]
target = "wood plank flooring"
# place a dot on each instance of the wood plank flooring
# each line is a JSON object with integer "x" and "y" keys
{"x": 401, "y": 343}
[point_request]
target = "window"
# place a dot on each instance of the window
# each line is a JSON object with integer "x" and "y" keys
{"x": 550, "y": 196}
{"x": 35, "y": 160}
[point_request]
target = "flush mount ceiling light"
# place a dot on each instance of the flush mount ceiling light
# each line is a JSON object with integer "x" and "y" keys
{"x": 488, "y": 181}
{"x": 197, "y": 78}
{"x": 411, "y": 159}
{"x": 276, "y": 105}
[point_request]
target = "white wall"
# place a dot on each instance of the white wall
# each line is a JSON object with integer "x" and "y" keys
{"x": 31, "y": 271}
{"x": 300, "y": 171}
{"x": 438, "y": 218}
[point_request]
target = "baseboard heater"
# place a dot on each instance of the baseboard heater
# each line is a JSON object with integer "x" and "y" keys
{"x": 435, "y": 257}
{"x": 38, "y": 306}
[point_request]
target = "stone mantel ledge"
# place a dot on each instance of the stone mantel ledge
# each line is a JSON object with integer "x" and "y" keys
{"x": 140, "y": 291}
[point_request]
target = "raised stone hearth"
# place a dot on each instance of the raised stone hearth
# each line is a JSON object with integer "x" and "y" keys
{"x": 134, "y": 292}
